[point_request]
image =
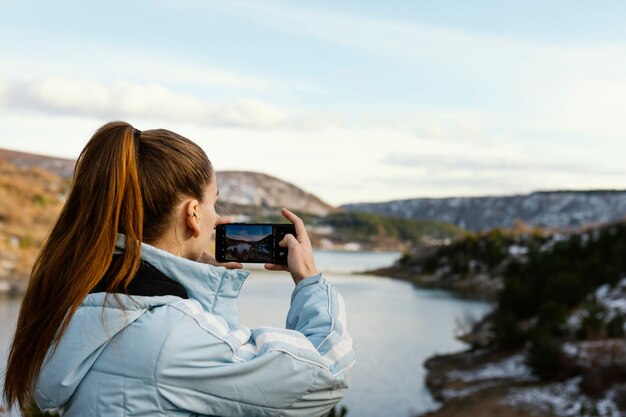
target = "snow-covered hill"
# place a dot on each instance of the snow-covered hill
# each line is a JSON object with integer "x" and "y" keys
{"x": 557, "y": 209}
{"x": 261, "y": 190}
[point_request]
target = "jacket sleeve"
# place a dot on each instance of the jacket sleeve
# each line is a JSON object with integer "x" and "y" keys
{"x": 206, "y": 368}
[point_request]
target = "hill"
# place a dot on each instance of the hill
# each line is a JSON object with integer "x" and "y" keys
{"x": 61, "y": 167}
{"x": 547, "y": 209}
{"x": 241, "y": 188}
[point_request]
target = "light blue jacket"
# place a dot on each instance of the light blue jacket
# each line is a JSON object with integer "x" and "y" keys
{"x": 168, "y": 356}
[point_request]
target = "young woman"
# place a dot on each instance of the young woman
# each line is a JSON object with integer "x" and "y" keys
{"x": 126, "y": 315}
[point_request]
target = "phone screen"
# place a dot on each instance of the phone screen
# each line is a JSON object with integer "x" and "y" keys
{"x": 252, "y": 242}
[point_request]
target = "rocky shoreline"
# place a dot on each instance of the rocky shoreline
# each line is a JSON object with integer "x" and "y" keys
{"x": 430, "y": 267}
{"x": 478, "y": 383}
{"x": 477, "y": 287}
{"x": 484, "y": 382}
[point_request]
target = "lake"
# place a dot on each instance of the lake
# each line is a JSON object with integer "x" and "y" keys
{"x": 395, "y": 327}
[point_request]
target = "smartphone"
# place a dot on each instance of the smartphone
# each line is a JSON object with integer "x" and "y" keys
{"x": 252, "y": 242}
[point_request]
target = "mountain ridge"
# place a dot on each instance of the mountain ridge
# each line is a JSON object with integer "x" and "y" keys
{"x": 552, "y": 209}
{"x": 559, "y": 209}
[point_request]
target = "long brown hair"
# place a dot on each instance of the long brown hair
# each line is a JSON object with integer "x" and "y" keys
{"x": 125, "y": 181}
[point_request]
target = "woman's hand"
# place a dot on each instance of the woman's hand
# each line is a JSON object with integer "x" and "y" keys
{"x": 300, "y": 260}
{"x": 208, "y": 259}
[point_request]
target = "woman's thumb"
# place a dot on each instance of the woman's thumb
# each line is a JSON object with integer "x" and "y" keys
{"x": 288, "y": 241}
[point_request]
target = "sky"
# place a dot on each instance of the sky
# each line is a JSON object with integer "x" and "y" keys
{"x": 248, "y": 233}
{"x": 353, "y": 101}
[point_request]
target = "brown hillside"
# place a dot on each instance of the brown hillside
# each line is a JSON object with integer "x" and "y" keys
{"x": 60, "y": 166}
{"x": 30, "y": 200}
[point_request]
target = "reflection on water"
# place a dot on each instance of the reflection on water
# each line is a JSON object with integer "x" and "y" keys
{"x": 347, "y": 262}
{"x": 395, "y": 327}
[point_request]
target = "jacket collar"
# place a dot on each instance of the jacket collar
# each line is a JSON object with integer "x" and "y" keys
{"x": 148, "y": 281}
{"x": 215, "y": 287}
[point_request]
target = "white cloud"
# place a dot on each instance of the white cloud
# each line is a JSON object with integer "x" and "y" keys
{"x": 122, "y": 99}
{"x": 503, "y": 164}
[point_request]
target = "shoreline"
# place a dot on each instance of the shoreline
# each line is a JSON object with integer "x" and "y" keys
{"x": 479, "y": 383}
{"x": 488, "y": 382}
{"x": 467, "y": 289}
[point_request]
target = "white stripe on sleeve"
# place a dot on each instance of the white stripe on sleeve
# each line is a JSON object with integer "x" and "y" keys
{"x": 240, "y": 335}
{"x": 343, "y": 318}
{"x": 271, "y": 337}
{"x": 216, "y": 322}
{"x": 338, "y": 351}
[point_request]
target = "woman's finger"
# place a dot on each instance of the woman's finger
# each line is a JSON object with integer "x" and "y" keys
{"x": 276, "y": 267}
{"x": 231, "y": 265}
{"x": 297, "y": 222}
{"x": 289, "y": 241}
{"x": 223, "y": 220}
{"x": 208, "y": 259}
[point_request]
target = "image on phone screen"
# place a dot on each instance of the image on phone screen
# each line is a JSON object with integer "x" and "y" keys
{"x": 249, "y": 243}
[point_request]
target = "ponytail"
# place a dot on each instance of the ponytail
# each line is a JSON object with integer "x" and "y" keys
{"x": 105, "y": 199}
{"x": 125, "y": 181}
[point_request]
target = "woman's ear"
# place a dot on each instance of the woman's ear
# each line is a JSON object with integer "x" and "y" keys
{"x": 193, "y": 217}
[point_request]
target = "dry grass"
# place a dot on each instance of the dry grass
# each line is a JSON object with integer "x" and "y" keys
{"x": 30, "y": 201}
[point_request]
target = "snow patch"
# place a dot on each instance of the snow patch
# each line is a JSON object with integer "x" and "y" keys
{"x": 518, "y": 250}
{"x": 513, "y": 367}
{"x": 595, "y": 353}
{"x": 563, "y": 399}
{"x": 449, "y": 394}
{"x": 614, "y": 299}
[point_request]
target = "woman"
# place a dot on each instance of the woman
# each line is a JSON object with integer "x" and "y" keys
{"x": 126, "y": 315}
